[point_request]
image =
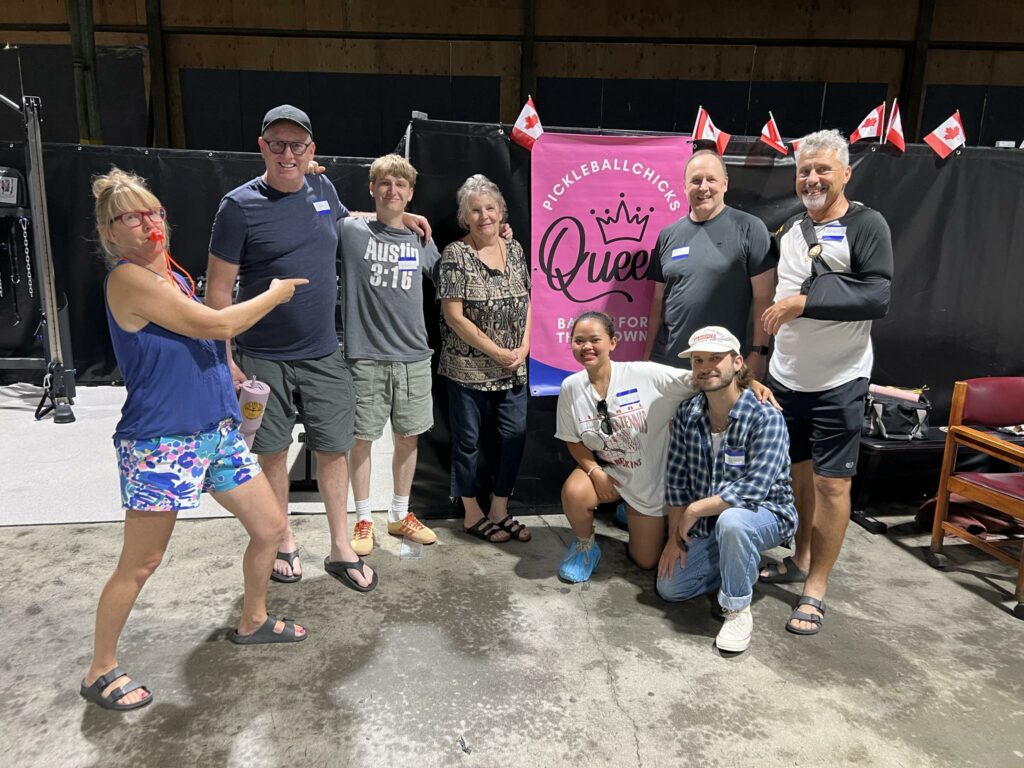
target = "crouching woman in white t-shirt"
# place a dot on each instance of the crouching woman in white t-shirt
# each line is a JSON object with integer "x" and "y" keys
{"x": 615, "y": 419}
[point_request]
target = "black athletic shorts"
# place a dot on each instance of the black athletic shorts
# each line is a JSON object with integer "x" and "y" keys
{"x": 824, "y": 426}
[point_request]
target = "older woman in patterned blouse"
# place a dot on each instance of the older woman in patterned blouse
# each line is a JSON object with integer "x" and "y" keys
{"x": 484, "y": 289}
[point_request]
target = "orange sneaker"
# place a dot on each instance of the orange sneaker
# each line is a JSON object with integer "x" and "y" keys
{"x": 412, "y": 529}
{"x": 362, "y": 538}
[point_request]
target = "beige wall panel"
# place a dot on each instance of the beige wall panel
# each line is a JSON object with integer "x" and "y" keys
{"x": 814, "y": 19}
{"x": 975, "y": 68}
{"x": 990, "y": 21}
{"x": 448, "y": 17}
{"x": 709, "y": 62}
{"x": 409, "y": 57}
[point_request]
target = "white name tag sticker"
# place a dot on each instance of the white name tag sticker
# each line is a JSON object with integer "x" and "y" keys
{"x": 322, "y": 207}
{"x": 408, "y": 263}
{"x": 734, "y": 458}
{"x": 680, "y": 253}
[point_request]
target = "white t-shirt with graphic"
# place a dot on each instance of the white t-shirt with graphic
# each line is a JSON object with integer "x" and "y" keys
{"x": 642, "y": 398}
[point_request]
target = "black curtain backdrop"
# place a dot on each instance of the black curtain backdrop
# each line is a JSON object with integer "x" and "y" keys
{"x": 957, "y": 224}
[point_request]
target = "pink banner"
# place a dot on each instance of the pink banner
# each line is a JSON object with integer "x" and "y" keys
{"x": 598, "y": 205}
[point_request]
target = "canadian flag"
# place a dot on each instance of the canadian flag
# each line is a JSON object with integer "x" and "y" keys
{"x": 704, "y": 130}
{"x": 894, "y": 134}
{"x": 527, "y": 129}
{"x": 795, "y": 144}
{"x": 948, "y": 136}
{"x": 770, "y": 135}
{"x": 871, "y": 126}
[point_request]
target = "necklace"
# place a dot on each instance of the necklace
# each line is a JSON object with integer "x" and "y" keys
{"x": 503, "y": 258}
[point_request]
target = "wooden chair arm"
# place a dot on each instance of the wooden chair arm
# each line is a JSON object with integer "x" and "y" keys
{"x": 988, "y": 443}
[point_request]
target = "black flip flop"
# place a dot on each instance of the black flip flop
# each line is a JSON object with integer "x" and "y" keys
{"x": 290, "y": 558}
{"x": 339, "y": 570}
{"x": 94, "y": 692}
{"x": 266, "y": 634}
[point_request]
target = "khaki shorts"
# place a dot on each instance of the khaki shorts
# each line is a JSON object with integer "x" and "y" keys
{"x": 317, "y": 393}
{"x": 399, "y": 391}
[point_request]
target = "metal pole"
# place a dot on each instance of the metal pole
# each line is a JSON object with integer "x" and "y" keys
{"x": 60, "y": 383}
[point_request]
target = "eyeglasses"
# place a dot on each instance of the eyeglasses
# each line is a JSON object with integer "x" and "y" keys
{"x": 602, "y": 411}
{"x": 277, "y": 147}
{"x": 133, "y": 219}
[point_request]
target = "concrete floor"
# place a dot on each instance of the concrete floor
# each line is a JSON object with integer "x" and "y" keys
{"x": 477, "y": 655}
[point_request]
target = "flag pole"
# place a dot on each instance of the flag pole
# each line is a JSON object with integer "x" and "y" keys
{"x": 892, "y": 112}
{"x": 881, "y": 128}
{"x": 696, "y": 122}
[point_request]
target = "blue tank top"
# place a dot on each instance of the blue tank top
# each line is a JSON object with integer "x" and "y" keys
{"x": 176, "y": 385}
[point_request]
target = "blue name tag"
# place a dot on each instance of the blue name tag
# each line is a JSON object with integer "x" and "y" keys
{"x": 680, "y": 253}
{"x": 835, "y": 233}
{"x": 628, "y": 397}
{"x": 734, "y": 458}
{"x": 322, "y": 207}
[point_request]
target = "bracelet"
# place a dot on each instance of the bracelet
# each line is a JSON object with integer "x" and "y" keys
{"x": 761, "y": 350}
{"x": 595, "y": 467}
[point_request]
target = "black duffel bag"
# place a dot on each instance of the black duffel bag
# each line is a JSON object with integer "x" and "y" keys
{"x": 895, "y": 418}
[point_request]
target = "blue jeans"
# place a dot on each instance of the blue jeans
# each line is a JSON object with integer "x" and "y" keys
{"x": 467, "y": 409}
{"x": 726, "y": 560}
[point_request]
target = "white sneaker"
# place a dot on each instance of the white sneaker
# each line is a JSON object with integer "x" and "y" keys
{"x": 734, "y": 636}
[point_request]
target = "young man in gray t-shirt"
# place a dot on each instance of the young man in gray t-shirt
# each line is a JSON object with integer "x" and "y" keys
{"x": 382, "y": 266}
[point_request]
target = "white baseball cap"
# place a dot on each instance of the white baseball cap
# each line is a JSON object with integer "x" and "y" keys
{"x": 713, "y": 338}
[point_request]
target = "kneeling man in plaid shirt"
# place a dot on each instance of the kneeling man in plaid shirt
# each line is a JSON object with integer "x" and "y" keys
{"x": 727, "y": 486}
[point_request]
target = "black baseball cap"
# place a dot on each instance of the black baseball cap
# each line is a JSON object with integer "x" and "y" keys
{"x": 289, "y": 113}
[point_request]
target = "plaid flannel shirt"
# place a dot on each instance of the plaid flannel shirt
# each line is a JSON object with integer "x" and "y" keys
{"x": 751, "y": 469}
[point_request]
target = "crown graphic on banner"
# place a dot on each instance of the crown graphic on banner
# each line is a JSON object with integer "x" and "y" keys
{"x": 622, "y": 226}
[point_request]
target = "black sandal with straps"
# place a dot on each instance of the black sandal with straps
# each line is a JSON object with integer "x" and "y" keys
{"x": 515, "y": 529}
{"x": 485, "y": 530}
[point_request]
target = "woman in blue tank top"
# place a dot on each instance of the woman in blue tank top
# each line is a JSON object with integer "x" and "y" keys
{"x": 178, "y": 433}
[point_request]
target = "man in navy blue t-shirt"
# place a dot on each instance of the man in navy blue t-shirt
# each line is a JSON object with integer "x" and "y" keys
{"x": 283, "y": 224}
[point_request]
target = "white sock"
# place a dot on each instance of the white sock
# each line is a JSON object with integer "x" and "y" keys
{"x": 585, "y": 543}
{"x": 363, "y": 510}
{"x": 399, "y": 508}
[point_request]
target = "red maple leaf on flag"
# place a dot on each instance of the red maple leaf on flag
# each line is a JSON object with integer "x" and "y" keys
{"x": 869, "y": 122}
{"x": 951, "y": 133}
{"x": 531, "y": 121}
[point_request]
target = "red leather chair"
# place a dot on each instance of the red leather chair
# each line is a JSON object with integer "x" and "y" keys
{"x": 988, "y": 402}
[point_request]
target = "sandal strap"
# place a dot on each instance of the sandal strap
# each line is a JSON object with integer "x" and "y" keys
{"x": 811, "y": 601}
{"x": 801, "y": 616}
{"x": 123, "y": 690}
{"x": 106, "y": 679}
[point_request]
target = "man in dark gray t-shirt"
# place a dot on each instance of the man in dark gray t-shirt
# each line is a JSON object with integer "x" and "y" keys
{"x": 708, "y": 268}
{"x": 383, "y": 265}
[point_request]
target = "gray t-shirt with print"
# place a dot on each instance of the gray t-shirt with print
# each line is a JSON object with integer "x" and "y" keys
{"x": 382, "y": 270}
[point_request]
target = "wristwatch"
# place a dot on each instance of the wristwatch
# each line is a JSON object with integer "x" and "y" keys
{"x": 761, "y": 350}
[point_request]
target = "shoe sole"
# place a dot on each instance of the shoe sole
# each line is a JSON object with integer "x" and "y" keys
{"x": 731, "y": 648}
{"x": 400, "y": 535}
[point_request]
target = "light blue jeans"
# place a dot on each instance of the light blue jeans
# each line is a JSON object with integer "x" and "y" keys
{"x": 726, "y": 560}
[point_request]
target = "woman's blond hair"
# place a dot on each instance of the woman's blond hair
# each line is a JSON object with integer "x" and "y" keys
{"x": 115, "y": 193}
